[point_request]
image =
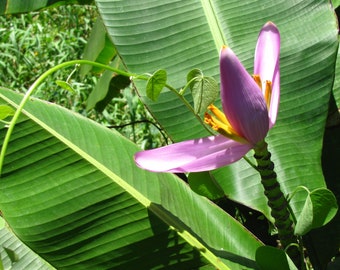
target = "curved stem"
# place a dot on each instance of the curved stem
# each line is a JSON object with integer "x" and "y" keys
{"x": 34, "y": 87}
{"x": 71, "y": 74}
{"x": 296, "y": 190}
{"x": 186, "y": 86}
{"x": 72, "y": 63}
{"x": 291, "y": 196}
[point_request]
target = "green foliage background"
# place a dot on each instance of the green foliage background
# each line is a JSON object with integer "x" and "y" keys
{"x": 34, "y": 42}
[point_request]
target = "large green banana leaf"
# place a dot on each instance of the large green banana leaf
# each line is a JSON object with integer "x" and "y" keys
{"x": 181, "y": 35}
{"x": 71, "y": 192}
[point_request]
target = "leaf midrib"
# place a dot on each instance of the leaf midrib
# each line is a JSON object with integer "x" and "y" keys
{"x": 168, "y": 219}
{"x": 214, "y": 25}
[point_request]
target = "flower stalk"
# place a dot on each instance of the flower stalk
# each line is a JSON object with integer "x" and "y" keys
{"x": 276, "y": 201}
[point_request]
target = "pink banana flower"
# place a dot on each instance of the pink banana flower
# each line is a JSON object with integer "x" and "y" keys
{"x": 250, "y": 106}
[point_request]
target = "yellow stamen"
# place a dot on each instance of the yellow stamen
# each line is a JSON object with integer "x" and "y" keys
{"x": 221, "y": 124}
{"x": 268, "y": 93}
{"x": 258, "y": 81}
{"x": 220, "y": 115}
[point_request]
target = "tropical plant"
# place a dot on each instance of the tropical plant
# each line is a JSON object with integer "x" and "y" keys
{"x": 71, "y": 191}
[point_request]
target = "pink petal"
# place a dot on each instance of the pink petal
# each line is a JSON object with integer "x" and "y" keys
{"x": 202, "y": 154}
{"x": 242, "y": 100}
{"x": 266, "y": 64}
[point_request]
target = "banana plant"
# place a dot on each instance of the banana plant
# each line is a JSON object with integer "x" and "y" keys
{"x": 71, "y": 191}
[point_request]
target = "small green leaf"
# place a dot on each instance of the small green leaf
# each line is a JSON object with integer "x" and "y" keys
{"x": 319, "y": 208}
{"x": 12, "y": 255}
{"x": 203, "y": 89}
{"x": 204, "y": 184}
{"x": 6, "y": 111}
{"x": 269, "y": 258}
{"x": 65, "y": 85}
{"x": 325, "y": 206}
{"x": 155, "y": 84}
{"x": 194, "y": 73}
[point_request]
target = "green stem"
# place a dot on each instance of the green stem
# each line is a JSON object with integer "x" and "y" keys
{"x": 291, "y": 196}
{"x": 37, "y": 83}
{"x": 72, "y": 63}
{"x": 276, "y": 201}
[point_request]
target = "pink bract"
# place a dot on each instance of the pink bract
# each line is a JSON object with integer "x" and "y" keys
{"x": 244, "y": 106}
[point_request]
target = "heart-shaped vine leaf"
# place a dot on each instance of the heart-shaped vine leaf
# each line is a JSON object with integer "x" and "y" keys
{"x": 319, "y": 208}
